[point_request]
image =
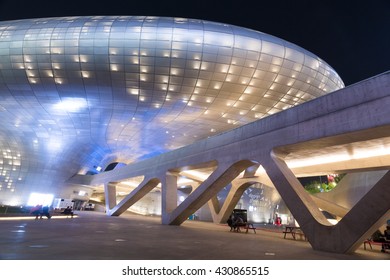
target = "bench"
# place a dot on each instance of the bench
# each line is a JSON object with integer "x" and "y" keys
{"x": 294, "y": 231}
{"x": 371, "y": 242}
{"x": 238, "y": 219}
{"x": 247, "y": 226}
{"x": 68, "y": 213}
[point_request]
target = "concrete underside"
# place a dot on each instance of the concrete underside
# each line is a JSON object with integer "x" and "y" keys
{"x": 334, "y": 121}
{"x": 94, "y": 236}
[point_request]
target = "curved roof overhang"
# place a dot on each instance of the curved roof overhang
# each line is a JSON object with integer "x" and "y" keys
{"x": 82, "y": 92}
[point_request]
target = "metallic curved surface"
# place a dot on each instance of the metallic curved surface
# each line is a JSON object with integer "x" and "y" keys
{"x": 79, "y": 93}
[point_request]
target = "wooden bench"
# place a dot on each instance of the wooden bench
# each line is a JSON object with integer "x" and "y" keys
{"x": 294, "y": 231}
{"x": 247, "y": 226}
{"x": 238, "y": 220}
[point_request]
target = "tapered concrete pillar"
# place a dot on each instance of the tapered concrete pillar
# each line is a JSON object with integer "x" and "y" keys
{"x": 146, "y": 186}
{"x": 345, "y": 237}
{"x": 168, "y": 196}
{"x": 110, "y": 196}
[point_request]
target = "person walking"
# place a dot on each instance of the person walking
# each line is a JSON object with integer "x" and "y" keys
{"x": 36, "y": 211}
{"x": 45, "y": 212}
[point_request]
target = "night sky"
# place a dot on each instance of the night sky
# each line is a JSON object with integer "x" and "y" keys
{"x": 352, "y": 36}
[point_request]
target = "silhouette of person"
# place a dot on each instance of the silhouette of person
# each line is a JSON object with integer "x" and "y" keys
{"x": 45, "y": 212}
{"x": 36, "y": 211}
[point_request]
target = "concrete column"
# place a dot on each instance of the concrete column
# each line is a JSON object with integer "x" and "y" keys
{"x": 110, "y": 196}
{"x": 168, "y": 196}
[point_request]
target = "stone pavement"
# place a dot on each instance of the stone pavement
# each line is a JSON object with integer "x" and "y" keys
{"x": 95, "y": 236}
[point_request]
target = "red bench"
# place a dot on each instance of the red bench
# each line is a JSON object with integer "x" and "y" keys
{"x": 370, "y": 242}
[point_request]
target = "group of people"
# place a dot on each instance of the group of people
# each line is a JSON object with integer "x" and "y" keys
{"x": 383, "y": 238}
{"x": 40, "y": 211}
{"x": 68, "y": 211}
{"x": 235, "y": 221}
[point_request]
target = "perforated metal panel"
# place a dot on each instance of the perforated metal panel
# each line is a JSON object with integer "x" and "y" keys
{"x": 81, "y": 92}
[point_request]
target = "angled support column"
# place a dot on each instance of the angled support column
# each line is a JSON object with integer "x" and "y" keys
{"x": 330, "y": 206}
{"x": 220, "y": 178}
{"x": 370, "y": 213}
{"x": 145, "y": 187}
{"x": 292, "y": 192}
{"x": 221, "y": 214}
{"x": 366, "y": 216}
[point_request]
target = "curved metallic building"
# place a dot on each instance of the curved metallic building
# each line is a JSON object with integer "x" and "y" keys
{"x": 80, "y": 93}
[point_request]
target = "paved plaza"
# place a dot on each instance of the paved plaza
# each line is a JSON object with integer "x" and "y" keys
{"x": 95, "y": 236}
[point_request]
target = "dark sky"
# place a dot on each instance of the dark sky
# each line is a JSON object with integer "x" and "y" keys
{"x": 352, "y": 36}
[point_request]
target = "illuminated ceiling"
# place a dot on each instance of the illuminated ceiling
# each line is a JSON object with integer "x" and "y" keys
{"x": 77, "y": 93}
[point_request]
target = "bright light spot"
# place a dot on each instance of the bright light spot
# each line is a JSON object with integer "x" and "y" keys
{"x": 40, "y": 199}
{"x": 332, "y": 221}
{"x": 133, "y": 91}
{"x": 13, "y": 203}
{"x": 71, "y": 104}
{"x": 54, "y": 144}
{"x": 358, "y": 153}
